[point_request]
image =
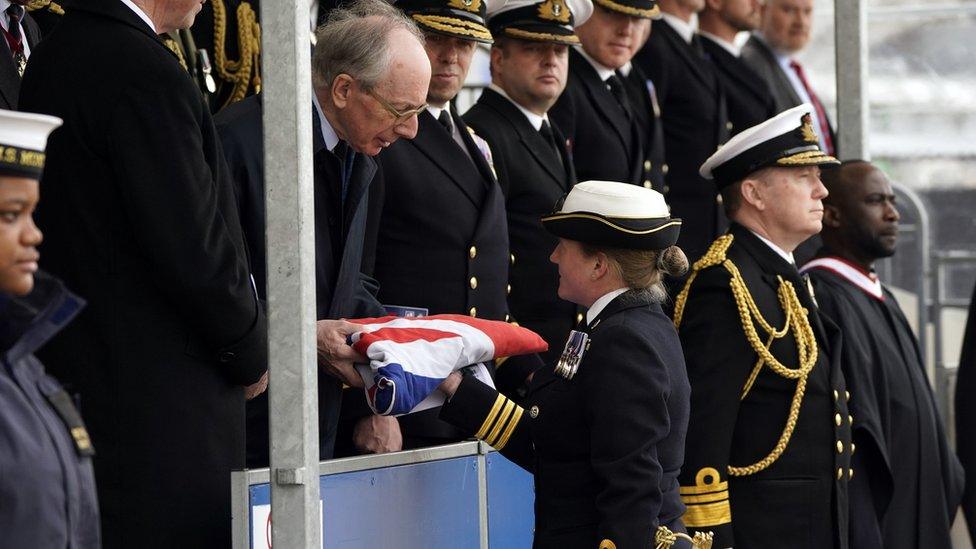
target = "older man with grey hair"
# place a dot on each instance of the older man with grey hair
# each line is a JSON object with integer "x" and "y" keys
{"x": 370, "y": 75}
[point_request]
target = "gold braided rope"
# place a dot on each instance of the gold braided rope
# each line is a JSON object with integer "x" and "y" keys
{"x": 665, "y": 538}
{"x": 52, "y": 7}
{"x": 796, "y": 323}
{"x": 239, "y": 73}
{"x": 175, "y": 48}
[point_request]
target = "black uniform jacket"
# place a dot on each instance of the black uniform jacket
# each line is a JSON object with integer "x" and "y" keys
{"x": 46, "y": 479}
{"x": 532, "y": 178}
{"x": 911, "y": 481}
{"x": 966, "y": 415}
{"x": 9, "y": 78}
{"x": 341, "y": 290}
{"x": 800, "y": 500}
{"x": 643, "y": 98}
{"x": 747, "y": 95}
{"x": 443, "y": 240}
{"x": 694, "y": 115}
{"x": 605, "y": 446}
{"x": 140, "y": 219}
{"x": 604, "y": 143}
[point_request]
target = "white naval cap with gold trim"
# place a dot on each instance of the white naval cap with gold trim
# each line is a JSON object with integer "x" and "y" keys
{"x": 785, "y": 140}
{"x": 539, "y": 20}
{"x": 616, "y": 215}
{"x": 23, "y": 138}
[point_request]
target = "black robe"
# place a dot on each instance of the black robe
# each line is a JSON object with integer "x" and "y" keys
{"x": 911, "y": 481}
{"x": 966, "y": 415}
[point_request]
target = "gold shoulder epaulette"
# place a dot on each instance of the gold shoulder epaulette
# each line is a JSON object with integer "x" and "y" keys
{"x": 714, "y": 256}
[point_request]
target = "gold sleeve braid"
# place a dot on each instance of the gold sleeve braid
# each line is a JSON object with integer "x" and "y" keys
{"x": 796, "y": 323}
{"x": 245, "y": 72}
{"x": 500, "y": 422}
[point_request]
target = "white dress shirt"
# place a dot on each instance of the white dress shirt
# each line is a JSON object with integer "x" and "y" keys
{"x": 602, "y": 303}
{"x": 685, "y": 29}
{"x": 730, "y": 47}
{"x": 602, "y": 71}
{"x": 142, "y": 15}
{"x": 534, "y": 119}
{"x": 787, "y": 256}
{"x": 328, "y": 132}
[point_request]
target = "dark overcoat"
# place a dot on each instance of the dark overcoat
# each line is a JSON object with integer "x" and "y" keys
{"x": 9, "y": 79}
{"x": 46, "y": 478}
{"x": 643, "y": 98}
{"x": 533, "y": 179}
{"x": 606, "y": 446}
{"x": 800, "y": 499}
{"x": 341, "y": 290}
{"x": 966, "y": 415}
{"x": 604, "y": 143}
{"x": 694, "y": 115}
{"x": 443, "y": 241}
{"x": 747, "y": 95}
{"x": 140, "y": 219}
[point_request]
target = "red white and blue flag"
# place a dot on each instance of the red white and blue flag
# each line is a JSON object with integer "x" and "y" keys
{"x": 410, "y": 357}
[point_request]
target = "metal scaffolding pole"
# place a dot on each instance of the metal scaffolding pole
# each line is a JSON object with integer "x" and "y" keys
{"x": 851, "y": 40}
{"x": 293, "y": 402}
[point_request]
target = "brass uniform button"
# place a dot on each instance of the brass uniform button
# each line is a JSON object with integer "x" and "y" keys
{"x": 534, "y": 412}
{"x": 508, "y": 289}
{"x": 850, "y": 474}
{"x": 647, "y": 165}
{"x": 579, "y": 317}
{"x": 850, "y": 419}
{"x": 718, "y": 200}
{"x": 728, "y": 126}
{"x": 853, "y": 448}
{"x": 666, "y": 189}
{"x": 838, "y": 420}
{"x": 847, "y": 395}
{"x": 840, "y": 473}
{"x": 647, "y": 184}
{"x": 665, "y": 169}
{"x": 507, "y": 317}
{"x": 472, "y": 252}
{"x": 836, "y": 395}
{"x": 473, "y": 311}
{"x": 473, "y": 283}
{"x": 511, "y": 258}
{"x": 840, "y": 447}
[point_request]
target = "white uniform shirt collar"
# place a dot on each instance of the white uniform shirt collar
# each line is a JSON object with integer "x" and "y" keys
{"x": 328, "y": 132}
{"x": 436, "y": 111}
{"x": 730, "y": 47}
{"x": 686, "y": 30}
{"x": 626, "y": 68}
{"x": 787, "y": 256}
{"x": 602, "y": 303}
{"x": 534, "y": 119}
{"x": 142, "y": 15}
{"x": 603, "y": 71}
{"x": 5, "y": 23}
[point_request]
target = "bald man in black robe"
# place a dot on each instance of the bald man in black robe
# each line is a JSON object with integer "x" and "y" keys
{"x": 911, "y": 482}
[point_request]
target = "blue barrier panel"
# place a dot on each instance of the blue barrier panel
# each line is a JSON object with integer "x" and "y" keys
{"x": 424, "y": 506}
{"x": 511, "y": 518}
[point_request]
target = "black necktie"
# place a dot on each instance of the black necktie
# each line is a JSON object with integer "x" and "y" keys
{"x": 14, "y": 39}
{"x": 445, "y": 120}
{"x": 617, "y": 89}
{"x": 546, "y": 132}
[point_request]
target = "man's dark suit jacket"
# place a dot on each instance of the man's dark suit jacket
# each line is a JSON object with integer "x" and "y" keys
{"x": 341, "y": 291}
{"x": 140, "y": 219}
{"x": 533, "y": 179}
{"x": 694, "y": 115}
{"x": 756, "y": 53}
{"x": 642, "y": 96}
{"x": 747, "y": 95}
{"x": 603, "y": 142}
{"x": 443, "y": 242}
{"x": 9, "y": 79}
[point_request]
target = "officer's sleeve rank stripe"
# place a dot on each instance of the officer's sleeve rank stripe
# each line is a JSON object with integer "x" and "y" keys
{"x": 507, "y": 433}
{"x": 499, "y": 400}
{"x": 707, "y": 501}
{"x": 500, "y": 422}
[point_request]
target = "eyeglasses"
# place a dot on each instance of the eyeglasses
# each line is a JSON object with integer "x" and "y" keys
{"x": 398, "y": 116}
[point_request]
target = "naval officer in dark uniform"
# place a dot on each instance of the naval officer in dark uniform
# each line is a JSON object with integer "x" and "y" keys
{"x": 529, "y": 61}
{"x": 603, "y": 432}
{"x": 768, "y": 454}
{"x": 443, "y": 240}
{"x": 47, "y": 484}
{"x": 595, "y": 112}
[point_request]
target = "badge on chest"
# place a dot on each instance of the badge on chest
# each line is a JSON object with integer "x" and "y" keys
{"x": 573, "y": 352}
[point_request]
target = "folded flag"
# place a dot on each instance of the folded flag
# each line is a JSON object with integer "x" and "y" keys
{"x": 410, "y": 357}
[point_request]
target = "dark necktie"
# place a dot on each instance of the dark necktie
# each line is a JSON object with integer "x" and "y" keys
{"x": 616, "y": 86}
{"x": 546, "y": 132}
{"x": 445, "y": 119}
{"x": 817, "y": 106}
{"x": 15, "y": 41}
{"x": 346, "y": 156}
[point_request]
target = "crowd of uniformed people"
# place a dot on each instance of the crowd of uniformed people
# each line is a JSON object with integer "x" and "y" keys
{"x": 660, "y": 200}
